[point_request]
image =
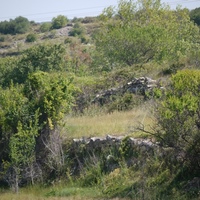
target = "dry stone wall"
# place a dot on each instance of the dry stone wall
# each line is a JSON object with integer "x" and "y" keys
{"x": 109, "y": 151}
{"x": 139, "y": 85}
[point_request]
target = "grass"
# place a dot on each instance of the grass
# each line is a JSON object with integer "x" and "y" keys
{"x": 53, "y": 193}
{"x": 116, "y": 123}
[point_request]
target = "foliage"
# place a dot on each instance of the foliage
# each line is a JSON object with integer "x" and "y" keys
{"x": 89, "y": 20}
{"x": 31, "y": 37}
{"x": 29, "y": 114}
{"x": 179, "y": 119}
{"x": 50, "y": 94}
{"x": 7, "y": 65}
{"x": 36, "y": 93}
{"x": 125, "y": 102}
{"x": 195, "y": 15}
{"x": 46, "y": 26}
{"x": 2, "y": 38}
{"x": 144, "y": 31}
{"x": 59, "y": 22}
{"x": 22, "y": 25}
{"x": 47, "y": 58}
{"x": 18, "y": 25}
{"x": 77, "y": 30}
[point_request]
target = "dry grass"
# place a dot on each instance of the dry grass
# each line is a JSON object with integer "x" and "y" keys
{"x": 10, "y": 196}
{"x": 38, "y": 193}
{"x": 116, "y": 123}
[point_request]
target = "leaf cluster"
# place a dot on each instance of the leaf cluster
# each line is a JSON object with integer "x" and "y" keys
{"x": 145, "y": 31}
{"x": 18, "y": 25}
{"x": 179, "y": 118}
{"x": 31, "y": 107}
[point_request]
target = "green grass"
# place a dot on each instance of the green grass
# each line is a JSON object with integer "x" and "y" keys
{"x": 61, "y": 192}
{"x": 116, "y": 123}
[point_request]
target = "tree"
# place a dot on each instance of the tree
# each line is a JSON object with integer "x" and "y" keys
{"x": 21, "y": 24}
{"x": 18, "y": 25}
{"x": 59, "y": 22}
{"x": 195, "y": 15}
{"x": 145, "y": 31}
{"x": 17, "y": 144}
{"x": 30, "y": 114}
{"x": 47, "y": 58}
{"x": 22, "y": 152}
{"x": 52, "y": 95}
{"x": 179, "y": 118}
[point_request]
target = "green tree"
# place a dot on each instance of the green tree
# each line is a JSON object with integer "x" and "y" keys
{"x": 22, "y": 152}
{"x": 13, "y": 109}
{"x": 7, "y": 27}
{"x": 52, "y": 95}
{"x": 59, "y": 22}
{"x": 18, "y": 25}
{"x": 30, "y": 114}
{"x": 195, "y": 15}
{"x": 21, "y": 24}
{"x": 179, "y": 118}
{"x": 144, "y": 31}
{"x": 47, "y": 58}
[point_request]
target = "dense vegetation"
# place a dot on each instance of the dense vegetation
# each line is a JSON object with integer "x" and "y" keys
{"x": 18, "y": 25}
{"x": 49, "y": 78}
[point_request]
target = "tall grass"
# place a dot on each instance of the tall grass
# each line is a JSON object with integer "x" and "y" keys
{"x": 116, "y": 123}
{"x": 52, "y": 193}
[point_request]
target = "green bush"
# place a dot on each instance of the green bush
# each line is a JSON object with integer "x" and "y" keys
{"x": 2, "y": 38}
{"x": 18, "y": 25}
{"x": 46, "y": 26}
{"x": 91, "y": 176}
{"x": 31, "y": 37}
{"x": 195, "y": 15}
{"x": 84, "y": 39}
{"x": 77, "y": 30}
{"x": 59, "y": 22}
{"x": 124, "y": 102}
{"x": 179, "y": 120}
{"x": 67, "y": 40}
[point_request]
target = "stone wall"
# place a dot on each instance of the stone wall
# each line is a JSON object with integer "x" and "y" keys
{"x": 109, "y": 151}
{"x": 139, "y": 85}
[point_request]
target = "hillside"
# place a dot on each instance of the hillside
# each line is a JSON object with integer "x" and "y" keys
{"x": 101, "y": 107}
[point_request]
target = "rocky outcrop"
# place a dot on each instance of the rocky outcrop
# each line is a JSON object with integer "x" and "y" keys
{"x": 137, "y": 86}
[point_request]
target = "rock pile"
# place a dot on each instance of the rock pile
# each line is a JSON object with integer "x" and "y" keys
{"x": 137, "y": 86}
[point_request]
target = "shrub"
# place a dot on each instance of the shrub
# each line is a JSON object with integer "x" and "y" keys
{"x": 67, "y": 40}
{"x": 59, "y": 22}
{"x": 45, "y": 27}
{"x": 31, "y": 37}
{"x": 77, "y": 30}
{"x": 18, "y": 25}
{"x": 2, "y": 38}
{"x": 179, "y": 119}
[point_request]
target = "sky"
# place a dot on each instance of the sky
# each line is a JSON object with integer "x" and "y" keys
{"x": 45, "y": 10}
